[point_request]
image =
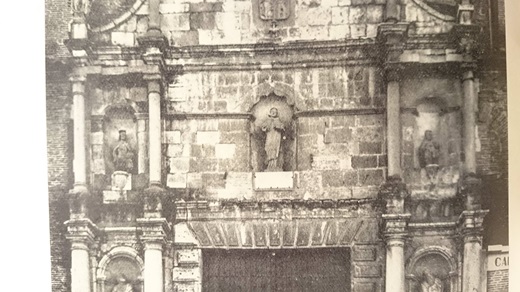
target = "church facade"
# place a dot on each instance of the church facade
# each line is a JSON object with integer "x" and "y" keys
{"x": 290, "y": 145}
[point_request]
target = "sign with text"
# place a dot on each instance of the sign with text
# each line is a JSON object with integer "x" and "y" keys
{"x": 498, "y": 261}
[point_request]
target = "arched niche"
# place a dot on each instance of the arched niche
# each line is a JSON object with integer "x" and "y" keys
{"x": 255, "y": 94}
{"x": 272, "y": 130}
{"x": 432, "y": 266}
{"x": 119, "y": 118}
{"x": 120, "y": 262}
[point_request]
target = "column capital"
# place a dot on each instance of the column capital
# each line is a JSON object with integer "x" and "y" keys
{"x": 395, "y": 225}
{"x": 81, "y": 233}
{"x": 154, "y": 232}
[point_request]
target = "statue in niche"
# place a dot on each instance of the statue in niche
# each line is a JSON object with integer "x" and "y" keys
{"x": 122, "y": 286}
{"x": 123, "y": 154}
{"x": 274, "y": 130}
{"x": 431, "y": 283}
{"x": 429, "y": 153}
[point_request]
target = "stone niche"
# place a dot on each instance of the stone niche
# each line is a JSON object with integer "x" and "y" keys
{"x": 119, "y": 150}
{"x": 273, "y": 143}
{"x": 431, "y": 270}
{"x": 119, "y": 273}
{"x": 431, "y": 152}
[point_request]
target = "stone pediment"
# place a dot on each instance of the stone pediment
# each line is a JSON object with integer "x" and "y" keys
{"x": 299, "y": 233}
{"x": 106, "y": 14}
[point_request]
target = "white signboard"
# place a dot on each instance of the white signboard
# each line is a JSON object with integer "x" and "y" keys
{"x": 498, "y": 261}
{"x": 279, "y": 180}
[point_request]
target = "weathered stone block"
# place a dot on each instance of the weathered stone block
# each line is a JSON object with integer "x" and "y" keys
{"x": 194, "y": 180}
{"x": 126, "y": 39}
{"x": 370, "y": 147}
{"x": 374, "y": 13}
{"x": 188, "y": 256}
{"x": 382, "y": 161}
{"x": 338, "y": 178}
{"x": 357, "y": 14}
{"x": 98, "y": 166}
{"x": 223, "y": 151}
{"x": 358, "y": 31}
{"x": 208, "y": 137}
{"x": 174, "y": 150}
{"x": 168, "y": 8}
{"x": 372, "y": 30}
{"x": 111, "y": 196}
{"x": 341, "y": 135}
{"x": 185, "y": 38}
{"x": 186, "y": 274}
{"x": 340, "y": 15}
{"x": 180, "y": 165}
{"x": 202, "y": 20}
{"x": 314, "y": 32}
{"x": 176, "y": 180}
{"x": 172, "y": 137}
{"x": 367, "y": 271}
{"x": 214, "y": 180}
{"x": 363, "y": 253}
{"x": 371, "y": 177}
{"x": 361, "y": 2}
{"x": 206, "y": 7}
{"x": 369, "y": 161}
{"x": 365, "y": 287}
{"x": 175, "y": 21}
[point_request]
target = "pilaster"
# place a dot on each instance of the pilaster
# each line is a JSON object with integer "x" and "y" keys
{"x": 155, "y": 233}
{"x": 81, "y": 234}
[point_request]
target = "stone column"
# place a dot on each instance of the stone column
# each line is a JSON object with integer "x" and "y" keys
{"x": 395, "y": 235}
{"x": 141, "y": 143}
{"x": 393, "y": 194}
{"x": 153, "y": 267}
{"x": 155, "y": 233}
{"x": 81, "y": 233}
{"x": 393, "y": 125}
{"x": 80, "y": 154}
{"x": 472, "y": 262}
{"x": 469, "y": 109}
{"x": 154, "y": 132}
{"x": 391, "y": 11}
{"x": 154, "y": 24}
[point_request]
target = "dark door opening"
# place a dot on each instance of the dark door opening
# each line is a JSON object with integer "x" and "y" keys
{"x": 318, "y": 269}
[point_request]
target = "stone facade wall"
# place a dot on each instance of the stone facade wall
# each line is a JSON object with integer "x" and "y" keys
{"x": 192, "y": 22}
{"x": 208, "y": 143}
{"x": 59, "y": 153}
{"x": 58, "y": 14}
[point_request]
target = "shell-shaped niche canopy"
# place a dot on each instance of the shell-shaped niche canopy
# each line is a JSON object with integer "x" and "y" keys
{"x": 105, "y": 12}
{"x": 121, "y": 273}
{"x": 272, "y": 143}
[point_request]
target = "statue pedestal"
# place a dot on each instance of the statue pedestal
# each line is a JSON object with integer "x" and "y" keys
{"x": 276, "y": 180}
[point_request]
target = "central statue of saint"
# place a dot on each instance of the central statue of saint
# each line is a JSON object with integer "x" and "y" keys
{"x": 431, "y": 283}
{"x": 123, "y": 154}
{"x": 274, "y": 130}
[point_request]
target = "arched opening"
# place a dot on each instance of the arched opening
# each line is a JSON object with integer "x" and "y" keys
{"x": 120, "y": 269}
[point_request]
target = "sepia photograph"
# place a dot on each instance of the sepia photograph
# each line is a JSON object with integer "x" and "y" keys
{"x": 277, "y": 145}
